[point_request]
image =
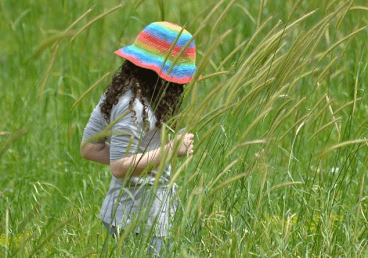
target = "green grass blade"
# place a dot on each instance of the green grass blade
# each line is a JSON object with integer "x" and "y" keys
{"x": 341, "y": 41}
{"x": 262, "y": 2}
{"x": 341, "y": 145}
{"x": 324, "y": 127}
{"x": 222, "y": 16}
{"x": 89, "y": 90}
{"x": 99, "y": 17}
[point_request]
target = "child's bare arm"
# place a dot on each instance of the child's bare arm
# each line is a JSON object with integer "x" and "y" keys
{"x": 140, "y": 162}
{"x": 98, "y": 152}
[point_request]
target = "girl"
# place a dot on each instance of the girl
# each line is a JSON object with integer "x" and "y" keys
{"x": 149, "y": 89}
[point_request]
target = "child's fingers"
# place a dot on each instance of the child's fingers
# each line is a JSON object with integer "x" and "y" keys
{"x": 187, "y": 144}
{"x": 189, "y": 137}
{"x": 190, "y": 149}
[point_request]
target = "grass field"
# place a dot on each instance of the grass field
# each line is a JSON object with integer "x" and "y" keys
{"x": 280, "y": 118}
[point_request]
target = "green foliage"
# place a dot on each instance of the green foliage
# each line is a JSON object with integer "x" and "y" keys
{"x": 280, "y": 119}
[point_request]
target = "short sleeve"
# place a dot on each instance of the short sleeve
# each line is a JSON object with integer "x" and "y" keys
{"x": 126, "y": 133}
{"x": 95, "y": 124}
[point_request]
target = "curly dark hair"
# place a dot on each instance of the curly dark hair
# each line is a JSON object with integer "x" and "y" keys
{"x": 163, "y": 96}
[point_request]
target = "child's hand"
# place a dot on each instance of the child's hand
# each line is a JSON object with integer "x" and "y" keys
{"x": 186, "y": 146}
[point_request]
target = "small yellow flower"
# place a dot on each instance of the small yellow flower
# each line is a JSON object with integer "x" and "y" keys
{"x": 294, "y": 219}
{"x": 3, "y": 240}
{"x": 60, "y": 163}
{"x": 337, "y": 217}
{"x": 313, "y": 229}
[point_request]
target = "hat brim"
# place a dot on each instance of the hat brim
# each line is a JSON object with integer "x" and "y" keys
{"x": 172, "y": 77}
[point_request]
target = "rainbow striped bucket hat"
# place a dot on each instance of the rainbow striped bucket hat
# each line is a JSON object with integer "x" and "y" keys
{"x": 151, "y": 48}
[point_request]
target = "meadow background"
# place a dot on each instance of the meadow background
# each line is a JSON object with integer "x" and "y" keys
{"x": 280, "y": 118}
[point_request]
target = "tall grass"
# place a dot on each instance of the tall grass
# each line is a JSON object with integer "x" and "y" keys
{"x": 279, "y": 117}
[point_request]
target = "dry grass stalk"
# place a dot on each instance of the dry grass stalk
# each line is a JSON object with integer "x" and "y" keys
{"x": 48, "y": 71}
{"x": 12, "y": 139}
{"x": 4, "y": 133}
